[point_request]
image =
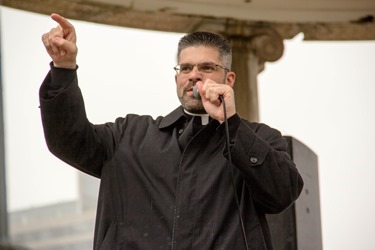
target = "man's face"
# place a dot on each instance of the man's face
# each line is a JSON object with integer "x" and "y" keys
{"x": 185, "y": 81}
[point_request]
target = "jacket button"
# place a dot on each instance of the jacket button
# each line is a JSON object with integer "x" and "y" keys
{"x": 180, "y": 131}
{"x": 253, "y": 160}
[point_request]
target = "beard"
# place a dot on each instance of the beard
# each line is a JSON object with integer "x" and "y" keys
{"x": 192, "y": 104}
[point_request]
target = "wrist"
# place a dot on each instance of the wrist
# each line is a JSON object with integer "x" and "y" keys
{"x": 228, "y": 116}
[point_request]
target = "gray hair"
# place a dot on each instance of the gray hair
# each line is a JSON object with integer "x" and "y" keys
{"x": 210, "y": 40}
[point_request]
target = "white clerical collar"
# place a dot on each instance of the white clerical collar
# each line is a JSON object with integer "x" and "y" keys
{"x": 204, "y": 117}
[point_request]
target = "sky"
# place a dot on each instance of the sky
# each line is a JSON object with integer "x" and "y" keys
{"x": 321, "y": 93}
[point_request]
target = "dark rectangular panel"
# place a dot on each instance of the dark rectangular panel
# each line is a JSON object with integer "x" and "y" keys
{"x": 299, "y": 226}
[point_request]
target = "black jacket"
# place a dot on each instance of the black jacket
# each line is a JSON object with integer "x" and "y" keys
{"x": 157, "y": 192}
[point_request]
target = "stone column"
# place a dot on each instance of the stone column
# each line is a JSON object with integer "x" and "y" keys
{"x": 252, "y": 46}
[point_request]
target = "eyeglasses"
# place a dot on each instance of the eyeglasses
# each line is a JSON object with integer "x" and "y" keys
{"x": 186, "y": 68}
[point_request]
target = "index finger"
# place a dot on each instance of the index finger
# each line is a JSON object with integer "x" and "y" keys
{"x": 62, "y": 21}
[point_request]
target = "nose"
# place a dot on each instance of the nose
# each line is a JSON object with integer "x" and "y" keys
{"x": 195, "y": 75}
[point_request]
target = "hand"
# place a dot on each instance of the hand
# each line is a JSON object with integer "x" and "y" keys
{"x": 210, "y": 92}
{"x": 60, "y": 43}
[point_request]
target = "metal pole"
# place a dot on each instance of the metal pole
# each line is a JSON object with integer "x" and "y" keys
{"x": 3, "y": 199}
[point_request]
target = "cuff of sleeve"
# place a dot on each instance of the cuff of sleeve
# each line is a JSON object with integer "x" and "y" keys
{"x": 60, "y": 77}
{"x": 233, "y": 125}
{"x": 57, "y": 80}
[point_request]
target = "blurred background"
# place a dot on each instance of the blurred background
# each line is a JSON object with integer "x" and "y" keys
{"x": 322, "y": 93}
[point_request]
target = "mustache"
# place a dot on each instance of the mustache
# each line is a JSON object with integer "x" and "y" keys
{"x": 190, "y": 85}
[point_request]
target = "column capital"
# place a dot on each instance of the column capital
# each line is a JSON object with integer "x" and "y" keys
{"x": 262, "y": 39}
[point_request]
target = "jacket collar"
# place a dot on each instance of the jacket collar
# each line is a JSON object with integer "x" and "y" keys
{"x": 173, "y": 117}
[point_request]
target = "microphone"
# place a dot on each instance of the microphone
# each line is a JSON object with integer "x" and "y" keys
{"x": 196, "y": 92}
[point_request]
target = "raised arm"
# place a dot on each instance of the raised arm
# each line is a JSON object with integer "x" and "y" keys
{"x": 69, "y": 134}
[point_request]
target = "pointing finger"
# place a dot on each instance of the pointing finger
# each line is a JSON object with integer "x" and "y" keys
{"x": 62, "y": 21}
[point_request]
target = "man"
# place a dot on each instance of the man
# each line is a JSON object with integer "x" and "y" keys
{"x": 167, "y": 183}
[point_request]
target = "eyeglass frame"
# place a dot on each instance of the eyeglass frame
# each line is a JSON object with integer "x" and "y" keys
{"x": 199, "y": 65}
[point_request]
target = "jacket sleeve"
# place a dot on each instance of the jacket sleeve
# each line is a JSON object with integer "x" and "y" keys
{"x": 68, "y": 133}
{"x": 259, "y": 152}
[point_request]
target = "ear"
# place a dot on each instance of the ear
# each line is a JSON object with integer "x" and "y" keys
{"x": 230, "y": 78}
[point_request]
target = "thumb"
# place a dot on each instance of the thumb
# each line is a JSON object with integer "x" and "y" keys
{"x": 199, "y": 85}
{"x": 64, "y": 46}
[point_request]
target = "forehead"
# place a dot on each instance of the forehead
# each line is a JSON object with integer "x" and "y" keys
{"x": 199, "y": 54}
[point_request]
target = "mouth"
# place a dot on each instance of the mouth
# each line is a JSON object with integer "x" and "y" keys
{"x": 189, "y": 89}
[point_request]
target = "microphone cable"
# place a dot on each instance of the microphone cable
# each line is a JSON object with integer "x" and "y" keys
{"x": 231, "y": 171}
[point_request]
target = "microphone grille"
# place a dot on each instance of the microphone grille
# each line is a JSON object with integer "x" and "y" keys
{"x": 196, "y": 92}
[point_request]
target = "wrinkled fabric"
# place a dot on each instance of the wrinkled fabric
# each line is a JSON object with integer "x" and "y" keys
{"x": 159, "y": 193}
